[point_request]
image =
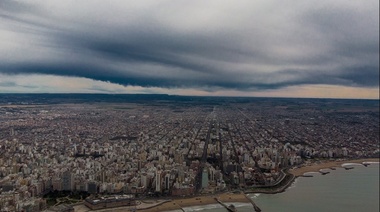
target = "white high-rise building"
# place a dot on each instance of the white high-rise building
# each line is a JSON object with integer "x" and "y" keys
{"x": 12, "y": 132}
{"x": 204, "y": 178}
{"x": 158, "y": 181}
{"x": 67, "y": 181}
{"x": 212, "y": 174}
{"x": 144, "y": 180}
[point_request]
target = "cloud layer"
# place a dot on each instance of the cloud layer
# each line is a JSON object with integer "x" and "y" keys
{"x": 243, "y": 46}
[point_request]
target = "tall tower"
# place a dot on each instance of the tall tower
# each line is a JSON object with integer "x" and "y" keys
{"x": 67, "y": 181}
{"x": 12, "y": 132}
{"x": 212, "y": 174}
{"x": 158, "y": 181}
{"x": 167, "y": 181}
{"x": 204, "y": 178}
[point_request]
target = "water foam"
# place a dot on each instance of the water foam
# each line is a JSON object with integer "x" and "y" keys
{"x": 351, "y": 164}
{"x": 310, "y": 173}
{"x": 371, "y": 162}
{"x": 293, "y": 185}
{"x": 202, "y": 207}
{"x": 253, "y": 196}
{"x": 213, "y": 206}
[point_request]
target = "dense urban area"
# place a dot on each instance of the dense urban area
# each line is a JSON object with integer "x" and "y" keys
{"x": 167, "y": 146}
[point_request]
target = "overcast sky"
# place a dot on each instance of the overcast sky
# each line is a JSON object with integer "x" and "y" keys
{"x": 293, "y": 48}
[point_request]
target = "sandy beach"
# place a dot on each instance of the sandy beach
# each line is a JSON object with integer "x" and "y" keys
{"x": 177, "y": 204}
{"x": 315, "y": 167}
{"x": 201, "y": 200}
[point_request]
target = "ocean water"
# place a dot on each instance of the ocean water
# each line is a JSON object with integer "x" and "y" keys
{"x": 341, "y": 190}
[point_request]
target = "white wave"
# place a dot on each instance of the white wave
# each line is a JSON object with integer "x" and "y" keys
{"x": 293, "y": 185}
{"x": 213, "y": 206}
{"x": 371, "y": 162}
{"x": 351, "y": 164}
{"x": 253, "y": 196}
{"x": 310, "y": 173}
{"x": 202, "y": 207}
{"x": 238, "y": 204}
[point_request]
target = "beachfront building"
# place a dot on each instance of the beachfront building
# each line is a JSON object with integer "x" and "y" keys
{"x": 204, "y": 178}
{"x": 158, "y": 181}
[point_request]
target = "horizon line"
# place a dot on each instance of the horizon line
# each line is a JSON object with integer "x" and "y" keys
{"x": 276, "y": 97}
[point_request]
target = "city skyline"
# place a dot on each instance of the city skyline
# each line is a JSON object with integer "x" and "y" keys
{"x": 318, "y": 49}
{"x": 129, "y": 150}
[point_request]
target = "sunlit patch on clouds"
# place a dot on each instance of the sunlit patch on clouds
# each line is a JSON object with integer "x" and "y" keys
{"x": 36, "y": 83}
{"x": 305, "y": 48}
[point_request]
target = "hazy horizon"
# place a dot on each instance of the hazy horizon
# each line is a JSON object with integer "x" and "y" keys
{"x": 200, "y": 96}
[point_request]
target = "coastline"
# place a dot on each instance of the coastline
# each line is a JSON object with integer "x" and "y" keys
{"x": 228, "y": 197}
{"x": 176, "y": 204}
{"x": 326, "y": 164}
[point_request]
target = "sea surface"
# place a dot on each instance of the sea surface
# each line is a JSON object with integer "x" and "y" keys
{"x": 341, "y": 190}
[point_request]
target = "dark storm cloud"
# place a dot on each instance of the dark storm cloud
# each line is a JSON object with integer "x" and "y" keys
{"x": 98, "y": 73}
{"x": 351, "y": 76}
{"x": 236, "y": 47}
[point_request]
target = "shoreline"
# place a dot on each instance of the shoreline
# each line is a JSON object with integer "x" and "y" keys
{"x": 176, "y": 204}
{"x": 326, "y": 164}
{"x": 228, "y": 197}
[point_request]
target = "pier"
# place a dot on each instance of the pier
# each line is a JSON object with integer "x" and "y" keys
{"x": 230, "y": 208}
{"x": 257, "y": 209}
